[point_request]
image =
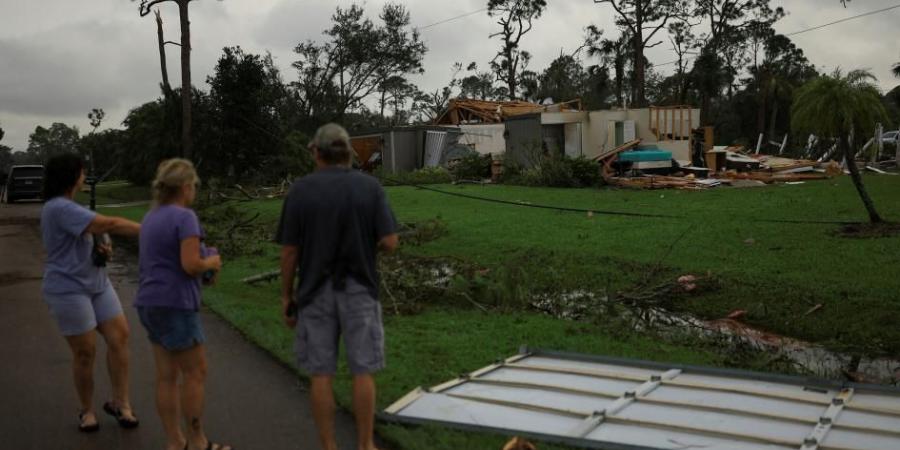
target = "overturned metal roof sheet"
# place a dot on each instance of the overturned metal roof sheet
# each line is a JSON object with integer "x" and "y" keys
{"x": 608, "y": 403}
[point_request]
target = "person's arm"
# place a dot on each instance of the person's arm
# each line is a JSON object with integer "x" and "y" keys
{"x": 191, "y": 261}
{"x": 113, "y": 225}
{"x": 289, "y": 255}
{"x": 389, "y": 243}
{"x": 385, "y": 224}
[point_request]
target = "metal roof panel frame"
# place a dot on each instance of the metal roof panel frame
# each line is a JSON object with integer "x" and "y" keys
{"x": 832, "y": 396}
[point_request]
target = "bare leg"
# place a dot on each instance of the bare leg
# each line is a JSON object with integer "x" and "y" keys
{"x": 84, "y": 350}
{"x": 323, "y": 410}
{"x": 192, "y": 364}
{"x": 115, "y": 331}
{"x": 364, "y": 410}
{"x": 167, "y": 397}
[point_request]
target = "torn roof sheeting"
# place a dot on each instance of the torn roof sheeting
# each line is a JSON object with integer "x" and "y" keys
{"x": 606, "y": 403}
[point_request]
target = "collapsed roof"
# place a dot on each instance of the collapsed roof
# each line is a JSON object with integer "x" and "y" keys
{"x": 462, "y": 110}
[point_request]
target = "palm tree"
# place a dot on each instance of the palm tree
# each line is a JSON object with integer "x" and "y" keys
{"x": 897, "y": 70}
{"x": 842, "y": 105}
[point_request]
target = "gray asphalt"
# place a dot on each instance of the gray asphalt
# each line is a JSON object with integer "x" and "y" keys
{"x": 252, "y": 402}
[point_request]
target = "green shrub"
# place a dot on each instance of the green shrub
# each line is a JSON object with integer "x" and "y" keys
{"x": 428, "y": 175}
{"x": 472, "y": 167}
{"x": 553, "y": 171}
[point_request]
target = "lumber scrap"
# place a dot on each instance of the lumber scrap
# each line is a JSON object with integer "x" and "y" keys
{"x": 661, "y": 182}
{"x": 263, "y": 277}
{"x": 769, "y": 178}
{"x": 622, "y": 148}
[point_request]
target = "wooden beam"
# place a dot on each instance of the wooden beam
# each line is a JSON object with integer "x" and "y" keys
{"x": 407, "y": 400}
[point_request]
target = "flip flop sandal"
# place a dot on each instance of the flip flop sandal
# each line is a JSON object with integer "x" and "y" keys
{"x": 116, "y": 412}
{"x": 86, "y": 428}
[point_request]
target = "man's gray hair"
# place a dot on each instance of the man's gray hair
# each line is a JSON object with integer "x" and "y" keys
{"x": 333, "y": 144}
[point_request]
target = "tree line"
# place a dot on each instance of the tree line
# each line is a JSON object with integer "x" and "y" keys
{"x": 246, "y": 122}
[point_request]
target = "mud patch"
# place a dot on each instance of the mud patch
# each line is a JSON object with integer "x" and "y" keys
{"x": 11, "y": 278}
{"x": 869, "y": 230}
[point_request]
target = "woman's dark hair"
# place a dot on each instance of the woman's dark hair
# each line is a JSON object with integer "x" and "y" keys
{"x": 61, "y": 174}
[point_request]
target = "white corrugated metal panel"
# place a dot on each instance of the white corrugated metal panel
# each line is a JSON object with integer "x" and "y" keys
{"x": 597, "y": 402}
{"x": 435, "y": 142}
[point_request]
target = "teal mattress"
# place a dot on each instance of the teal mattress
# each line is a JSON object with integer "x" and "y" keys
{"x": 645, "y": 156}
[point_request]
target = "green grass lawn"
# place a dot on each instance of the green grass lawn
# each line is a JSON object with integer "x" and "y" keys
{"x": 775, "y": 271}
{"x": 115, "y": 192}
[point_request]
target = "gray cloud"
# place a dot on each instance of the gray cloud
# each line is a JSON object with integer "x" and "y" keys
{"x": 61, "y": 57}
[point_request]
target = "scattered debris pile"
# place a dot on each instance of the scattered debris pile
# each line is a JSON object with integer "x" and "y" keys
{"x": 623, "y": 167}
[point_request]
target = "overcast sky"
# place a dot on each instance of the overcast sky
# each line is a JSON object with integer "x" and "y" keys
{"x": 60, "y": 58}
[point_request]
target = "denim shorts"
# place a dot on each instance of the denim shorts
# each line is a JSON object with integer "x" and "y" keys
{"x": 351, "y": 313}
{"x": 76, "y": 314}
{"x": 172, "y": 329}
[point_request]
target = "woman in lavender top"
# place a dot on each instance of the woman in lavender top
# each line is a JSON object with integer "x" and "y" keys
{"x": 172, "y": 263}
{"x": 77, "y": 290}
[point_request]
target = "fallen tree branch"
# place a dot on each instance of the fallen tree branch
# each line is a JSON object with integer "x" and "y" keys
{"x": 244, "y": 191}
{"x": 267, "y": 276}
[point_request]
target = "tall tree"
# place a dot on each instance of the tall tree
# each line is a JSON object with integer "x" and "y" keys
{"x": 782, "y": 70}
{"x": 516, "y": 18}
{"x": 358, "y": 56}
{"x": 896, "y": 70}
{"x": 428, "y": 106}
{"x": 45, "y": 143}
{"x": 842, "y": 105}
{"x": 683, "y": 41}
{"x": 615, "y": 53}
{"x": 478, "y": 85}
{"x": 643, "y": 19}
{"x": 6, "y": 158}
{"x": 565, "y": 79}
{"x": 144, "y": 9}
{"x": 245, "y": 94}
{"x": 730, "y": 22}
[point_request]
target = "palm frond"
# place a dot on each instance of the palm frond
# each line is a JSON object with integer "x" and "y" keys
{"x": 833, "y": 105}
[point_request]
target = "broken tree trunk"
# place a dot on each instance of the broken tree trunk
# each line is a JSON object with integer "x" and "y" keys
{"x": 163, "y": 67}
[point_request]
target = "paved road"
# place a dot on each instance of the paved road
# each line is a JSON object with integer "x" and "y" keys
{"x": 252, "y": 401}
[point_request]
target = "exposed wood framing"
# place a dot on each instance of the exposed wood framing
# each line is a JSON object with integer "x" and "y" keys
{"x": 461, "y": 111}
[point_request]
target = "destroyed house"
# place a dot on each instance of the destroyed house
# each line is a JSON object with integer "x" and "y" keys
{"x": 524, "y": 130}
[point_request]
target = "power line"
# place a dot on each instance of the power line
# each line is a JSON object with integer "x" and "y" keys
{"x": 807, "y": 30}
{"x": 870, "y": 13}
{"x": 452, "y": 19}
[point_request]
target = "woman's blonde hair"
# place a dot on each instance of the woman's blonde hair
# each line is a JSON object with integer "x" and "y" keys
{"x": 171, "y": 175}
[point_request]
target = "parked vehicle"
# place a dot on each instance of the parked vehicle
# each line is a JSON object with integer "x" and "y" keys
{"x": 24, "y": 182}
{"x": 890, "y": 137}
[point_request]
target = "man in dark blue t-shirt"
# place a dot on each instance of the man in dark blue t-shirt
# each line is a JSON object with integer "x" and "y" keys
{"x": 333, "y": 223}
